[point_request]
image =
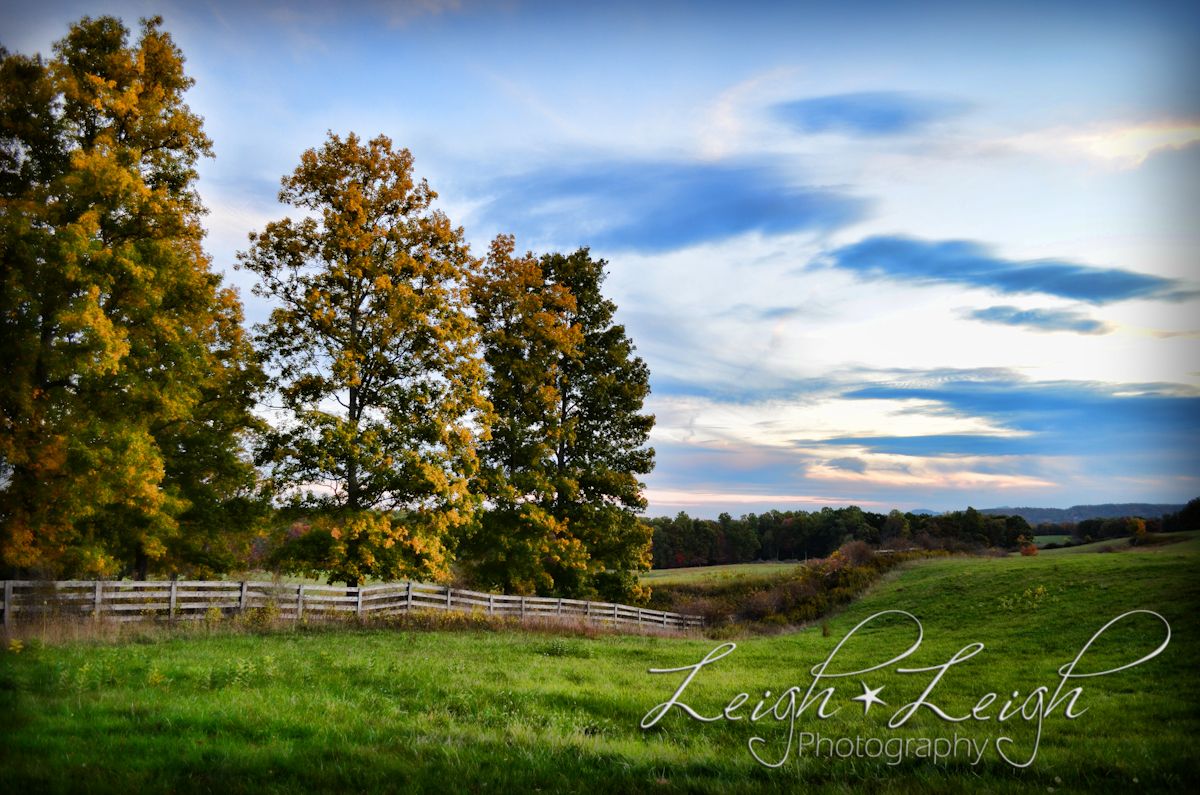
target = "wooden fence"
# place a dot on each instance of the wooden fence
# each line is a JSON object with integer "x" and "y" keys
{"x": 190, "y": 600}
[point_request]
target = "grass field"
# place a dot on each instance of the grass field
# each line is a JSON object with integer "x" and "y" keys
{"x": 348, "y": 710}
{"x": 710, "y": 573}
{"x": 1039, "y": 540}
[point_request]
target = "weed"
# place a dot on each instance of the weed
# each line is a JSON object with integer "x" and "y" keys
{"x": 559, "y": 647}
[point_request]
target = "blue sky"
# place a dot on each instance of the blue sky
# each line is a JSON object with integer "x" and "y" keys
{"x": 897, "y": 255}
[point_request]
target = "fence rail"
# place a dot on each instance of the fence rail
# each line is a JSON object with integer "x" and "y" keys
{"x": 191, "y": 600}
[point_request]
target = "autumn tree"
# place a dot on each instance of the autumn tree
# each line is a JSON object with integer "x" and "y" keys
{"x": 568, "y": 440}
{"x": 374, "y": 362}
{"x": 126, "y": 383}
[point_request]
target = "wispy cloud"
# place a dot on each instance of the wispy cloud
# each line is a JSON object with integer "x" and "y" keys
{"x": 1000, "y": 433}
{"x": 1041, "y": 319}
{"x": 723, "y": 130}
{"x": 1067, "y": 418}
{"x": 401, "y": 12}
{"x": 662, "y": 206}
{"x": 1124, "y": 146}
{"x": 849, "y": 463}
{"x": 868, "y": 113}
{"x": 969, "y": 263}
{"x": 663, "y": 498}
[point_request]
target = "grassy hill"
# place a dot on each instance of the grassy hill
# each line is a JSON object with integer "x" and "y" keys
{"x": 343, "y": 709}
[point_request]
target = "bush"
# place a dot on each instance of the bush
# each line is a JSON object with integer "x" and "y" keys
{"x": 1029, "y": 551}
{"x": 857, "y": 552}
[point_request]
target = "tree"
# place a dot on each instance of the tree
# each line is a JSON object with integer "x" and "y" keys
{"x": 896, "y": 527}
{"x": 560, "y": 470}
{"x": 118, "y": 343}
{"x": 375, "y": 362}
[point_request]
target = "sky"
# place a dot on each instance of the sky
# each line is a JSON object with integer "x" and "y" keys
{"x": 911, "y": 255}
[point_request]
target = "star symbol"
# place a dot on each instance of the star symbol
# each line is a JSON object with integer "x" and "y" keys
{"x": 870, "y": 697}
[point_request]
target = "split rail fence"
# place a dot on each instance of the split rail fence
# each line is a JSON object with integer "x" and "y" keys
{"x": 190, "y": 600}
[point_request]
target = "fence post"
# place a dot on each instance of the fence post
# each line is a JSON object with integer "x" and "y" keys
{"x": 97, "y": 596}
{"x": 408, "y": 604}
{"x": 300, "y": 602}
{"x": 664, "y": 618}
{"x": 8, "y": 603}
{"x": 616, "y": 607}
{"x": 522, "y": 609}
{"x": 491, "y": 605}
{"x": 358, "y": 607}
{"x": 173, "y": 601}
{"x": 448, "y": 592}
{"x": 639, "y": 616}
{"x": 587, "y": 611}
{"x": 243, "y": 598}
{"x": 560, "y": 608}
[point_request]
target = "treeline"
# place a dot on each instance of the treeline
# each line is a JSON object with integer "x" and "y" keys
{"x": 684, "y": 541}
{"x": 440, "y": 414}
{"x": 1184, "y": 519}
{"x": 1079, "y": 513}
{"x": 796, "y": 535}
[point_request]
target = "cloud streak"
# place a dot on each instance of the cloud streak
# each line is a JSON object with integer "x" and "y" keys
{"x": 662, "y": 206}
{"x": 1066, "y": 418}
{"x": 868, "y": 114}
{"x": 969, "y": 263}
{"x": 1032, "y": 440}
{"x": 1044, "y": 320}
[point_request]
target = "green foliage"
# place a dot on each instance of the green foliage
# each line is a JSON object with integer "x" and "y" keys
{"x": 1186, "y": 519}
{"x": 567, "y": 443}
{"x": 375, "y": 361}
{"x": 125, "y": 383}
{"x": 796, "y": 535}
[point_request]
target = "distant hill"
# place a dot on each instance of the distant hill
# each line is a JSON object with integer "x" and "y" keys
{"x": 925, "y": 511}
{"x": 1077, "y": 513}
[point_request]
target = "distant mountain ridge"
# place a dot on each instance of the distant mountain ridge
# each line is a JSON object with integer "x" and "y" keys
{"x": 1077, "y": 513}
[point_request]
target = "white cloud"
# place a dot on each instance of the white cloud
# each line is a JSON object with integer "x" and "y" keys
{"x": 1121, "y": 146}
{"x": 776, "y": 423}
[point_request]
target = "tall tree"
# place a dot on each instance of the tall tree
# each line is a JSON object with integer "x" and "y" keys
{"x": 568, "y": 442}
{"x": 375, "y": 363}
{"x": 116, "y": 336}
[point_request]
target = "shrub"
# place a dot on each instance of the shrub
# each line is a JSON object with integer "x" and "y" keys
{"x": 1029, "y": 551}
{"x": 856, "y": 552}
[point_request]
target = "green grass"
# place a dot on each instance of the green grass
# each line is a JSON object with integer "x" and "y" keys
{"x": 1191, "y": 545}
{"x": 714, "y": 573}
{"x": 341, "y": 710}
{"x": 1039, "y": 540}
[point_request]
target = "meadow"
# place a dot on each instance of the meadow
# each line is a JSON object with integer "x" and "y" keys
{"x": 713, "y": 573}
{"x": 378, "y": 708}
